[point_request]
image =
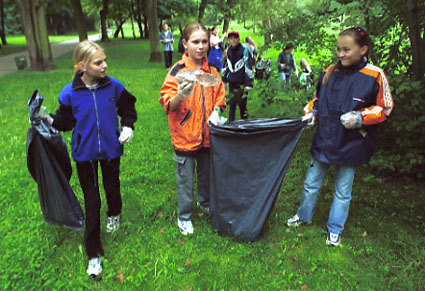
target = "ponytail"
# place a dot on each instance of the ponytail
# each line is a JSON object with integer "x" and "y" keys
{"x": 329, "y": 74}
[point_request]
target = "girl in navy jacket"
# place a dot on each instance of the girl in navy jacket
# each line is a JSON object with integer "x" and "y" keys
{"x": 351, "y": 98}
{"x": 90, "y": 106}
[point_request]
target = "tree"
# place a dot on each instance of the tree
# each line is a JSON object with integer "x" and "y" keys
{"x": 202, "y": 7}
{"x": 2, "y": 28}
{"x": 103, "y": 16}
{"x": 416, "y": 41}
{"x": 79, "y": 18}
{"x": 33, "y": 18}
{"x": 152, "y": 15}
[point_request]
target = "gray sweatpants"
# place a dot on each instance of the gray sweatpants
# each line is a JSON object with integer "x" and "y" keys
{"x": 185, "y": 169}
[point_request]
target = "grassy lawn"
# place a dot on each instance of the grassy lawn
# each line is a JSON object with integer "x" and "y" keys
{"x": 382, "y": 245}
{"x": 18, "y": 43}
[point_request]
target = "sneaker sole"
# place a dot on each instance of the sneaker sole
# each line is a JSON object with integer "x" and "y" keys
{"x": 329, "y": 243}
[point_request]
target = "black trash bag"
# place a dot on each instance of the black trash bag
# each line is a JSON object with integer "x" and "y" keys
{"x": 249, "y": 159}
{"x": 49, "y": 164}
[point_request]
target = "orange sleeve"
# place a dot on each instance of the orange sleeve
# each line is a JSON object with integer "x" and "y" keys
{"x": 310, "y": 104}
{"x": 168, "y": 90}
{"x": 384, "y": 103}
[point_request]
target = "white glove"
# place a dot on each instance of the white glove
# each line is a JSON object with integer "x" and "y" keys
{"x": 352, "y": 120}
{"x": 185, "y": 89}
{"x": 310, "y": 117}
{"x": 214, "y": 118}
{"x": 126, "y": 135}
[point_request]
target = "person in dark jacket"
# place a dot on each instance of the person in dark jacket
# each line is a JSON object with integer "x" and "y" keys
{"x": 238, "y": 74}
{"x": 351, "y": 98}
{"x": 90, "y": 106}
{"x": 285, "y": 63}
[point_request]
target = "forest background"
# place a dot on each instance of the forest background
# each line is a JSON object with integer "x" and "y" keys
{"x": 390, "y": 256}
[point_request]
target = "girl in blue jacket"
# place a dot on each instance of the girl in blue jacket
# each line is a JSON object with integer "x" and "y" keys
{"x": 351, "y": 98}
{"x": 90, "y": 106}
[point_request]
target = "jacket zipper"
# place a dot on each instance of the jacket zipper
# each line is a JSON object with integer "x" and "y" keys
{"x": 203, "y": 117}
{"x": 97, "y": 119}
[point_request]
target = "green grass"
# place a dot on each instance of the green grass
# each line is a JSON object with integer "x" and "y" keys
{"x": 18, "y": 43}
{"x": 382, "y": 245}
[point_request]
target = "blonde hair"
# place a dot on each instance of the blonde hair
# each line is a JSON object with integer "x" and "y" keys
{"x": 84, "y": 51}
{"x": 249, "y": 40}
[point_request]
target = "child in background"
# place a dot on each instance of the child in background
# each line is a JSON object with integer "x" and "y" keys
{"x": 285, "y": 63}
{"x": 90, "y": 105}
{"x": 351, "y": 98}
{"x": 167, "y": 39}
{"x": 306, "y": 77}
{"x": 190, "y": 107}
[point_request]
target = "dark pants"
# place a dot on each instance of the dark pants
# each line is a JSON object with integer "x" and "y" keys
{"x": 168, "y": 57}
{"x": 88, "y": 176}
{"x": 237, "y": 98}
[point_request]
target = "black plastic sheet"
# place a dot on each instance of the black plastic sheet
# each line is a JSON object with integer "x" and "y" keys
{"x": 249, "y": 159}
{"x": 49, "y": 164}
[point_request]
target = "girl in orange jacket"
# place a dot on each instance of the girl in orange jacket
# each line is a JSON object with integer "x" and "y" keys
{"x": 190, "y": 106}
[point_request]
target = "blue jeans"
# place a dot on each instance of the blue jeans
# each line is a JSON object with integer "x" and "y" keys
{"x": 284, "y": 78}
{"x": 342, "y": 196}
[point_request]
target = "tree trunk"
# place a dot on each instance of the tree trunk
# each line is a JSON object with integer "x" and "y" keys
{"x": 2, "y": 28}
{"x": 367, "y": 27}
{"x": 34, "y": 22}
{"x": 103, "y": 14}
{"x": 152, "y": 12}
{"x": 138, "y": 16}
{"x": 267, "y": 27}
{"x": 415, "y": 39}
{"x": 202, "y": 8}
{"x": 79, "y": 18}
{"x": 227, "y": 16}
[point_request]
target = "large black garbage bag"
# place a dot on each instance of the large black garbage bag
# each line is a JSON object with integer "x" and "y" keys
{"x": 249, "y": 159}
{"x": 49, "y": 164}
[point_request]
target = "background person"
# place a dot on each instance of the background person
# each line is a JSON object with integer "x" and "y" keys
{"x": 166, "y": 38}
{"x": 237, "y": 73}
{"x": 216, "y": 51}
{"x": 285, "y": 63}
{"x": 90, "y": 106}
{"x": 351, "y": 98}
{"x": 190, "y": 106}
{"x": 306, "y": 77}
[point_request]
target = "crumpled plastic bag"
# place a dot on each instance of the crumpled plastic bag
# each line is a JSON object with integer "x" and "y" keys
{"x": 352, "y": 120}
{"x": 205, "y": 79}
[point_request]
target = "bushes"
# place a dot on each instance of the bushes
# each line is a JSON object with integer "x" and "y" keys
{"x": 401, "y": 143}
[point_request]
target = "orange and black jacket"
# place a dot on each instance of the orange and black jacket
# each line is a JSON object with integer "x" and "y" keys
{"x": 189, "y": 123}
{"x": 360, "y": 87}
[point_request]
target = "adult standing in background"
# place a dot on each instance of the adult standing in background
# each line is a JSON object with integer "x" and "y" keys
{"x": 285, "y": 63}
{"x": 166, "y": 38}
{"x": 216, "y": 50}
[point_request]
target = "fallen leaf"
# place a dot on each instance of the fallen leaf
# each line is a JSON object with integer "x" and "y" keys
{"x": 295, "y": 259}
{"x": 187, "y": 263}
{"x": 304, "y": 287}
{"x": 160, "y": 215}
{"x": 418, "y": 262}
{"x": 365, "y": 234}
{"x": 179, "y": 242}
{"x": 161, "y": 231}
{"x": 121, "y": 277}
{"x": 299, "y": 235}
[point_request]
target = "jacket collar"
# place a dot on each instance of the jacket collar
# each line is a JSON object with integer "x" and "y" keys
{"x": 77, "y": 83}
{"x": 191, "y": 66}
{"x": 354, "y": 67}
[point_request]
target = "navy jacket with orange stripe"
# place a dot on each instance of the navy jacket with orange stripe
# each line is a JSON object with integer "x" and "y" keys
{"x": 189, "y": 123}
{"x": 361, "y": 87}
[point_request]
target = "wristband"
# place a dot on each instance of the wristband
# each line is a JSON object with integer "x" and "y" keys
{"x": 218, "y": 110}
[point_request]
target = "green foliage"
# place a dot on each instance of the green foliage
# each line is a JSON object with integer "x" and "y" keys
{"x": 402, "y": 139}
{"x": 382, "y": 245}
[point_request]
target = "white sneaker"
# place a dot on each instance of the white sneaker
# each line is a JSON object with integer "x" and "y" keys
{"x": 95, "y": 267}
{"x": 185, "y": 226}
{"x": 333, "y": 239}
{"x": 294, "y": 221}
{"x": 112, "y": 223}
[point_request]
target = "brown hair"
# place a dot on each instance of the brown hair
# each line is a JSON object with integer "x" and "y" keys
{"x": 360, "y": 36}
{"x": 191, "y": 28}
